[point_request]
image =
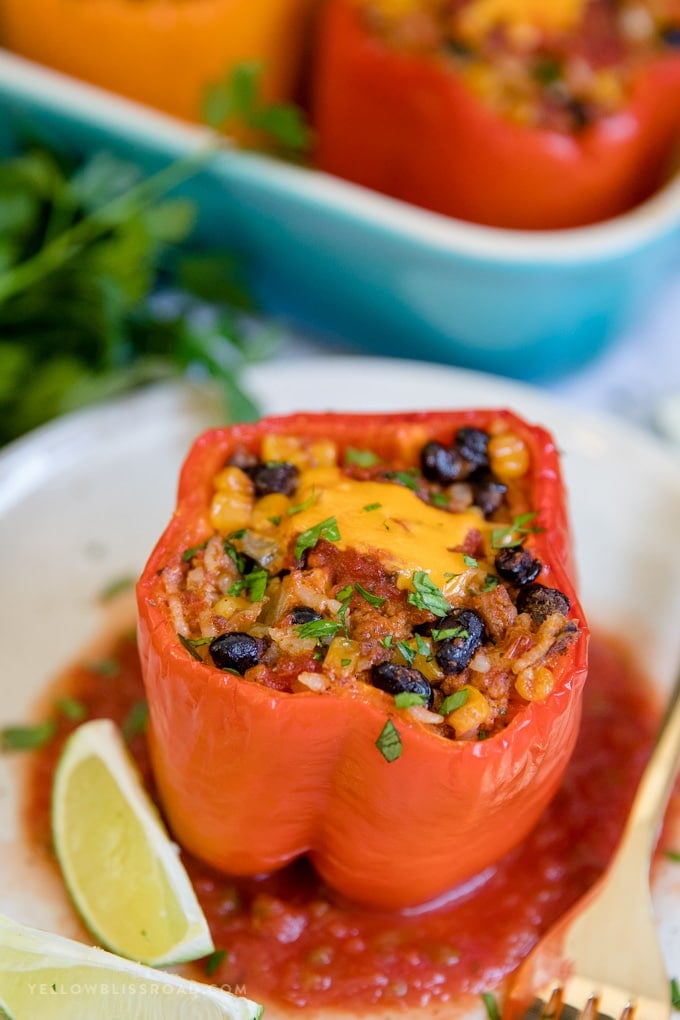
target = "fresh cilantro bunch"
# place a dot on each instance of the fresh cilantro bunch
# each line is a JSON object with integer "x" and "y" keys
{"x": 86, "y": 247}
{"x": 83, "y": 249}
{"x": 235, "y": 104}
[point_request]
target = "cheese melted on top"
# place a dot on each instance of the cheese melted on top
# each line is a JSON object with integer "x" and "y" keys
{"x": 388, "y": 521}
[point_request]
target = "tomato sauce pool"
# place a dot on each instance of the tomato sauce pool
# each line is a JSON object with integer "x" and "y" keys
{"x": 286, "y": 939}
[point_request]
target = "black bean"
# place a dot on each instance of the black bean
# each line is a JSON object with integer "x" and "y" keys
{"x": 303, "y": 614}
{"x": 395, "y": 679}
{"x": 517, "y": 565}
{"x": 488, "y": 494}
{"x": 454, "y": 653}
{"x": 236, "y": 650}
{"x": 541, "y": 602}
{"x": 472, "y": 444}
{"x": 671, "y": 37}
{"x": 442, "y": 464}
{"x": 275, "y": 478}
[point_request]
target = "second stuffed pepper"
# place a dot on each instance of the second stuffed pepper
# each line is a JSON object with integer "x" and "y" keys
{"x": 536, "y": 114}
{"x": 360, "y": 641}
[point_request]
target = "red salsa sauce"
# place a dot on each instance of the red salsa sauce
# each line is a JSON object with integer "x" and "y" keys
{"x": 286, "y": 939}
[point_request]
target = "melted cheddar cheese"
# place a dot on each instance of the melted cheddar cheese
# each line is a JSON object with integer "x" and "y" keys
{"x": 386, "y": 520}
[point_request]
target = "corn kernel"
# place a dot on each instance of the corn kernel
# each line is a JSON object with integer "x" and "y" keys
{"x": 228, "y": 605}
{"x": 283, "y": 449}
{"x": 427, "y": 665}
{"x": 233, "y": 479}
{"x": 535, "y": 685}
{"x": 508, "y": 456}
{"x": 341, "y": 657}
{"x": 268, "y": 510}
{"x": 232, "y": 503}
{"x": 322, "y": 454}
{"x": 472, "y": 714}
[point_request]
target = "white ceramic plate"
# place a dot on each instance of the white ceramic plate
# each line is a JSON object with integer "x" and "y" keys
{"x": 83, "y": 501}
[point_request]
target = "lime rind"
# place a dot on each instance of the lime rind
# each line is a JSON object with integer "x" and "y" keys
{"x": 47, "y": 975}
{"x": 100, "y": 739}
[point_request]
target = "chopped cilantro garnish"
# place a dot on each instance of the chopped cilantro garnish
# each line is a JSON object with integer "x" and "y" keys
{"x": 386, "y": 642}
{"x": 450, "y": 632}
{"x": 115, "y": 587}
{"x": 439, "y": 499}
{"x": 422, "y": 646}
{"x": 237, "y": 534}
{"x": 513, "y": 534}
{"x": 305, "y": 505}
{"x": 426, "y": 595}
{"x": 408, "y": 478}
{"x": 673, "y": 855}
{"x": 490, "y": 582}
{"x": 372, "y": 506}
{"x": 470, "y": 561}
{"x": 389, "y": 742}
{"x": 189, "y": 554}
{"x": 408, "y": 653}
{"x": 345, "y": 593}
{"x": 255, "y": 583}
{"x": 72, "y": 708}
{"x": 26, "y": 738}
{"x": 275, "y": 520}
{"x": 189, "y": 645}
{"x": 675, "y": 993}
{"x": 406, "y": 699}
{"x": 327, "y": 529}
{"x": 318, "y": 629}
{"x": 491, "y": 1006}
{"x": 362, "y": 458}
{"x": 235, "y": 555}
{"x": 135, "y": 721}
{"x": 454, "y": 701}
{"x": 109, "y": 667}
{"x": 375, "y": 600}
{"x": 345, "y": 662}
{"x": 213, "y": 961}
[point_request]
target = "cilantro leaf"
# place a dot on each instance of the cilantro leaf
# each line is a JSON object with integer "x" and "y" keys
{"x": 26, "y": 738}
{"x": 514, "y": 533}
{"x": 454, "y": 701}
{"x": 318, "y": 629}
{"x": 327, "y": 529}
{"x": 407, "y": 699}
{"x": 236, "y": 102}
{"x": 374, "y": 600}
{"x": 362, "y": 458}
{"x": 389, "y": 742}
{"x": 426, "y": 595}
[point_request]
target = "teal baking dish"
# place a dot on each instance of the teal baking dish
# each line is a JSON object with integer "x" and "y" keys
{"x": 357, "y": 267}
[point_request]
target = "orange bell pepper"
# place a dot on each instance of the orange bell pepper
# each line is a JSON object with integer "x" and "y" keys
{"x": 408, "y": 125}
{"x": 251, "y": 777}
{"x": 161, "y": 52}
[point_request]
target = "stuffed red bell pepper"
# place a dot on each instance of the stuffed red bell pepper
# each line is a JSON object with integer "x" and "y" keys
{"x": 515, "y": 113}
{"x": 360, "y": 641}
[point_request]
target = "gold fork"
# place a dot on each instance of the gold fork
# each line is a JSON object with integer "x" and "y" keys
{"x": 603, "y": 958}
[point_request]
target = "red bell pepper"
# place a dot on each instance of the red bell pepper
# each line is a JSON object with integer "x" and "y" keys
{"x": 407, "y": 125}
{"x": 251, "y": 777}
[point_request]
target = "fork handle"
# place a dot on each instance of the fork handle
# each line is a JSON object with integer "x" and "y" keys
{"x": 657, "y": 780}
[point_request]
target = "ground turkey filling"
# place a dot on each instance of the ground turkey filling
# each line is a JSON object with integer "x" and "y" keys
{"x": 317, "y": 577}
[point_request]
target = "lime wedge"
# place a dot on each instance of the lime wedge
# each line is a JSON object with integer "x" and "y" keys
{"x": 119, "y": 864}
{"x": 52, "y": 978}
